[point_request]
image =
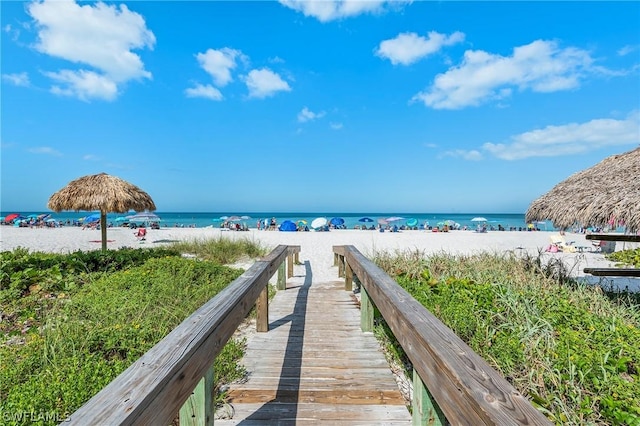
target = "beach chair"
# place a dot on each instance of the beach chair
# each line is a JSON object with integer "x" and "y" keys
{"x": 563, "y": 246}
{"x": 141, "y": 235}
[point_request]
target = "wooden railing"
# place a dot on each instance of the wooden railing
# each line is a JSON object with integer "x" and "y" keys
{"x": 451, "y": 382}
{"x": 155, "y": 388}
{"x": 613, "y": 272}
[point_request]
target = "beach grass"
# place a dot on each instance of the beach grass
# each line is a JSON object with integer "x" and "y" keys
{"x": 572, "y": 349}
{"x": 72, "y": 323}
{"x": 220, "y": 249}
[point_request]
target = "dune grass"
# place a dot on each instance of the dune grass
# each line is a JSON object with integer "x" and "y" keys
{"x": 72, "y": 323}
{"x": 221, "y": 250}
{"x": 572, "y": 349}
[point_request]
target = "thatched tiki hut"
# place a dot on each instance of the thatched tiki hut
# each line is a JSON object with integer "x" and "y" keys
{"x": 108, "y": 194}
{"x": 607, "y": 193}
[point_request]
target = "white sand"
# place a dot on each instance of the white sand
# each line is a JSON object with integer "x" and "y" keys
{"x": 316, "y": 247}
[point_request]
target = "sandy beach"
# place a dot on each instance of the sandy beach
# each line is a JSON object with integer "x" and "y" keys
{"x": 316, "y": 247}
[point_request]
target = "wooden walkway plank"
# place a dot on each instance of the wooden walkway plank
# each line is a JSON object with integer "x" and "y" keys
{"x": 315, "y": 365}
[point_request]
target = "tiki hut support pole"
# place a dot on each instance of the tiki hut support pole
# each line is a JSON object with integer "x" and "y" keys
{"x": 103, "y": 229}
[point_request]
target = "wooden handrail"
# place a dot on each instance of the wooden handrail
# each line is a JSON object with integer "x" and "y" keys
{"x": 465, "y": 387}
{"x": 152, "y": 390}
{"x": 614, "y": 237}
{"x": 613, "y": 272}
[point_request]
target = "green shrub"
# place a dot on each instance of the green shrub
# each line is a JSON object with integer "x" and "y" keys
{"x": 626, "y": 257}
{"x": 86, "y": 340}
{"x": 24, "y": 272}
{"x": 572, "y": 350}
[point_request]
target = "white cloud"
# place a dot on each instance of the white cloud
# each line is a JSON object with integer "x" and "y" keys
{"x": 263, "y": 83}
{"x": 469, "y": 155}
{"x": 540, "y": 66}
{"x": 100, "y": 36}
{"x": 220, "y": 63}
{"x": 13, "y": 32}
{"x": 83, "y": 85}
{"x": 200, "y": 91}
{"x": 307, "y": 115}
{"x": 408, "y": 48}
{"x": 21, "y": 79}
{"x": 625, "y": 50}
{"x": 90, "y": 157}
{"x": 336, "y": 126}
{"x": 571, "y": 138}
{"x": 45, "y": 150}
{"x": 329, "y": 10}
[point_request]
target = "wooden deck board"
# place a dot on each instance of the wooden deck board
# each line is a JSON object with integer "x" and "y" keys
{"x": 316, "y": 365}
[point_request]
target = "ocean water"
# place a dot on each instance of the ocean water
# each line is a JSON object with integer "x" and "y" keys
{"x": 207, "y": 219}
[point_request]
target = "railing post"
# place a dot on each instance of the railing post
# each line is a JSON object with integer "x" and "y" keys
{"x": 262, "y": 310}
{"x": 348, "y": 277}
{"x": 290, "y": 266}
{"x": 341, "y": 262}
{"x": 336, "y": 258}
{"x": 366, "y": 311}
{"x": 198, "y": 409}
{"x": 296, "y": 258}
{"x": 425, "y": 409}
{"x": 282, "y": 280}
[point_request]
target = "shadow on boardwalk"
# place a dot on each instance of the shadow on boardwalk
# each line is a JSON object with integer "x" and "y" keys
{"x": 315, "y": 364}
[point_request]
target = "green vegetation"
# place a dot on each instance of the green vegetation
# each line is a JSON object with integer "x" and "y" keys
{"x": 222, "y": 250}
{"x": 572, "y": 349}
{"x": 626, "y": 257}
{"x": 71, "y": 323}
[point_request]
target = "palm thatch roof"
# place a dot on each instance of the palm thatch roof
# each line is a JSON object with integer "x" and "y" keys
{"x": 605, "y": 193}
{"x": 101, "y": 192}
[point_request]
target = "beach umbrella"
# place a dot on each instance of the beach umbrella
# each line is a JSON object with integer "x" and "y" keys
{"x": 336, "y": 221}
{"x": 302, "y": 222}
{"x": 609, "y": 190}
{"x": 144, "y": 217}
{"x": 91, "y": 218}
{"x": 288, "y": 226}
{"x": 479, "y": 219}
{"x": 394, "y": 219}
{"x": 11, "y": 217}
{"x": 101, "y": 192}
{"x": 365, "y": 219}
{"x": 412, "y": 222}
{"x": 318, "y": 222}
{"x": 382, "y": 222}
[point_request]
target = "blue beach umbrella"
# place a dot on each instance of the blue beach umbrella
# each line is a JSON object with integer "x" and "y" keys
{"x": 91, "y": 218}
{"x": 365, "y": 219}
{"x": 288, "y": 226}
{"x": 412, "y": 222}
{"x": 337, "y": 221}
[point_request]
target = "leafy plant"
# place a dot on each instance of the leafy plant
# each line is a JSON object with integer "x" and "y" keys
{"x": 568, "y": 347}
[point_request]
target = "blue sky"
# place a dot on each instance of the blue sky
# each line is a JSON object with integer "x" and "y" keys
{"x": 316, "y": 106}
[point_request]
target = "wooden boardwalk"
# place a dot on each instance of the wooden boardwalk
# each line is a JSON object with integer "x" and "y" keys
{"x": 315, "y": 365}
